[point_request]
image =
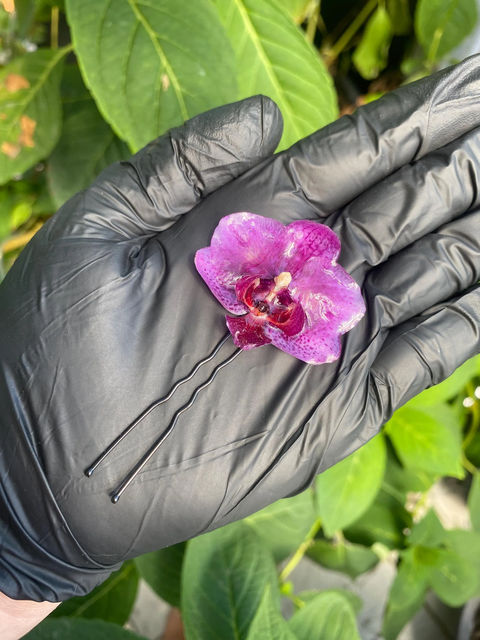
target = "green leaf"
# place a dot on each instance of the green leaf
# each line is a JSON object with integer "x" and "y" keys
{"x": 87, "y": 144}
{"x": 296, "y": 9}
{"x": 427, "y": 438}
{"x": 352, "y": 559}
{"x": 465, "y": 544}
{"x": 441, "y": 25}
{"x": 371, "y": 55}
{"x": 15, "y": 210}
{"x": 162, "y": 570}
{"x": 30, "y": 112}
{"x": 474, "y": 503}
{"x": 25, "y": 15}
{"x": 379, "y": 524}
{"x": 283, "y": 525}
{"x": 407, "y": 594}
{"x": 77, "y": 629}
{"x": 224, "y": 577}
{"x": 274, "y": 58}
{"x": 346, "y": 490}
{"x": 399, "y": 12}
{"x": 328, "y": 616}
{"x": 400, "y": 480}
{"x": 355, "y": 601}
{"x": 268, "y": 623}
{"x": 150, "y": 66}
{"x": 454, "y": 579}
{"x": 111, "y": 601}
{"x": 450, "y": 387}
{"x": 428, "y": 532}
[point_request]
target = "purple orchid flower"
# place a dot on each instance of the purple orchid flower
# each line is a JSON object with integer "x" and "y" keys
{"x": 283, "y": 284}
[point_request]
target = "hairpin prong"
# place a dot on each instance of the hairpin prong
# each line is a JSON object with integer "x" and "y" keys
{"x": 154, "y": 405}
{"x": 154, "y": 448}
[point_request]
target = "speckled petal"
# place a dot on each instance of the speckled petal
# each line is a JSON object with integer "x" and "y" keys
{"x": 247, "y": 332}
{"x": 307, "y": 239}
{"x": 242, "y": 244}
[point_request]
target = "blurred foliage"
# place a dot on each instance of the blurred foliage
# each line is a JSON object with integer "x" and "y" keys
{"x": 84, "y": 83}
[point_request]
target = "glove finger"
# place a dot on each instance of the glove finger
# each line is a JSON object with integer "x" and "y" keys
{"x": 168, "y": 177}
{"x": 414, "y": 201}
{"x": 423, "y": 352}
{"x": 336, "y": 164}
{"x": 435, "y": 268}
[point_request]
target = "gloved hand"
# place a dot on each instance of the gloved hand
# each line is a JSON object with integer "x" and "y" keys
{"x": 104, "y": 310}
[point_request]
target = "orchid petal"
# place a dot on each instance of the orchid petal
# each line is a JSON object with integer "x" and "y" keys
{"x": 306, "y": 239}
{"x": 247, "y": 332}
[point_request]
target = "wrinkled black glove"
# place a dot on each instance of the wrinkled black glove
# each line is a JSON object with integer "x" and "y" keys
{"x": 104, "y": 310}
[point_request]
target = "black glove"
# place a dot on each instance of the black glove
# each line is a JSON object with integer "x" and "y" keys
{"x": 104, "y": 311}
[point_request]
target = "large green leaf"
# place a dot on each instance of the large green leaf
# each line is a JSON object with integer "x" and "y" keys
{"x": 152, "y": 64}
{"x": 77, "y": 629}
{"x": 371, "y": 55}
{"x": 465, "y": 544}
{"x": 427, "y": 438}
{"x": 352, "y": 559}
{"x": 87, "y": 144}
{"x": 268, "y": 623}
{"x": 346, "y": 490}
{"x": 30, "y": 110}
{"x": 224, "y": 577}
{"x": 283, "y": 525}
{"x": 328, "y": 616}
{"x": 428, "y": 532}
{"x": 450, "y": 387}
{"x": 162, "y": 570}
{"x": 111, "y": 601}
{"x": 453, "y": 578}
{"x": 275, "y": 59}
{"x": 441, "y": 25}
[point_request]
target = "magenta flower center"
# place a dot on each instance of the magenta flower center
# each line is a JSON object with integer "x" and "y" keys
{"x": 269, "y": 300}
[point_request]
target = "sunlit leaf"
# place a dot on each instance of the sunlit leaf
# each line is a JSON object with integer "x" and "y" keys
{"x": 30, "y": 110}
{"x": 283, "y": 525}
{"x": 152, "y": 65}
{"x": 440, "y": 25}
{"x": 224, "y": 577}
{"x": 346, "y": 490}
{"x": 275, "y": 59}
{"x": 87, "y": 144}
{"x": 162, "y": 570}
{"x": 371, "y": 55}
{"x": 111, "y": 601}
{"x": 427, "y": 438}
{"x": 328, "y": 616}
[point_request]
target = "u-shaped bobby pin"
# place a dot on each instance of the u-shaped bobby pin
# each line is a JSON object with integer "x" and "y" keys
{"x": 139, "y": 466}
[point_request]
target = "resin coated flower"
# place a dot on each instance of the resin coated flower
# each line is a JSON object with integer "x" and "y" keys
{"x": 283, "y": 284}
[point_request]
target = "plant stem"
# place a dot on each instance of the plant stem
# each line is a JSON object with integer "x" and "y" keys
{"x": 344, "y": 40}
{"x": 54, "y": 29}
{"x": 313, "y": 22}
{"x": 475, "y": 422}
{"x": 468, "y": 465}
{"x": 300, "y": 552}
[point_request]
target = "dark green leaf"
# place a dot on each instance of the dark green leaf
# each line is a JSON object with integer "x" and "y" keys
{"x": 371, "y": 55}
{"x": 352, "y": 559}
{"x": 346, "y": 490}
{"x": 150, "y": 66}
{"x": 379, "y": 524}
{"x": 441, "y": 25}
{"x": 450, "y": 387}
{"x": 224, "y": 577}
{"x": 474, "y": 503}
{"x": 87, "y": 144}
{"x": 30, "y": 110}
{"x": 25, "y": 15}
{"x": 283, "y": 525}
{"x": 466, "y": 544}
{"x": 328, "y": 616}
{"x": 274, "y": 58}
{"x": 473, "y": 450}
{"x": 111, "y": 601}
{"x": 77, "y": 629}
{"x": 427, "y": 438}
{"x": 268, "y": 623}
{"x": 162, "y": 570}
{"x": 428, "y": 532}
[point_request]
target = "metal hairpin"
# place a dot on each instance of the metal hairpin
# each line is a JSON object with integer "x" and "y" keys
{"x": 156, "y": 445}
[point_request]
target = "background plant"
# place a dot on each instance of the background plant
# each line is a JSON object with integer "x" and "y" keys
{"x": 84, "y": 83}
